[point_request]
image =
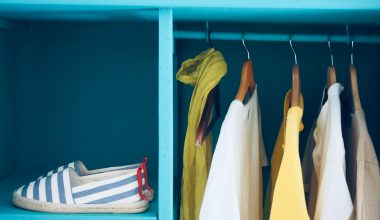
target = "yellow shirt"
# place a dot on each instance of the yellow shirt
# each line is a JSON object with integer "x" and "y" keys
{"x": 203, "y": 72}
{"x": 281, "y": 202}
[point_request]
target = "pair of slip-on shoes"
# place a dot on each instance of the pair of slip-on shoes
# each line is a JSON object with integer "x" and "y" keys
{"x": 73, "y": 188}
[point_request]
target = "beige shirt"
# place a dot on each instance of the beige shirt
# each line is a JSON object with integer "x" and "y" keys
{"x": 363, "y": 173}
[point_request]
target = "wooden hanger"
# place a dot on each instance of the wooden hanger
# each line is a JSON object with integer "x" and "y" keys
{"x": 354, "y": 87}
{"x": 354, "y": 81}
{"x": 247, "y": 80}
{"x": 331, "y": 76}
{"x": 296, "y": 81}
{"x": 331, "y": 72}
{"x": 296, "y": 86}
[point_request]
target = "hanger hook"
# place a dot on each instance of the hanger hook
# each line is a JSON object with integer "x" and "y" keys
{"x": 291, "y": 46}
{"x": 348, "y": 34}
{"x": 208, "y": 33}
{"x": 352, "y": 44}
{"x": 243, "y": 41}
{"x": 331, "y": 54}
{"x": 352, "y": 52}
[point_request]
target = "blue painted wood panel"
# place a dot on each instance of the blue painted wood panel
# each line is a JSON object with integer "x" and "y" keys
{"x": 322, "y": 4}
{"x": 263, "y": 11}
{"x": 84, "y": 90}
{"x": 166, "y": 115}
{"x": 7, "y": 63}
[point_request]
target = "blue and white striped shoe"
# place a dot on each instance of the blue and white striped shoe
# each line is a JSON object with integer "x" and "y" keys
{"x": 82, "y": 170}
{"x": 118, "y": 191}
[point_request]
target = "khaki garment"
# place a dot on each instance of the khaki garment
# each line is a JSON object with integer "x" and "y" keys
{"x": 203, "y": 72}
{"x": 363, "y": 173}
{"x": 277, "y": 155}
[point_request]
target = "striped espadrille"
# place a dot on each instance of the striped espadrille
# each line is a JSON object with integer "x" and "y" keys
{"x": 118, "y": 191}
{"x": 82, "y": 170}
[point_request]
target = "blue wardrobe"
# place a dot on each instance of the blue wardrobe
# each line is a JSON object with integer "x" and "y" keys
{"x": 95, "y": 80}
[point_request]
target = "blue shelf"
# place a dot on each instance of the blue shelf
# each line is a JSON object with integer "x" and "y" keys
{"x": 271, "y": 4}
{"x": 262, "y": 11}
{"x": 9, "y": 211}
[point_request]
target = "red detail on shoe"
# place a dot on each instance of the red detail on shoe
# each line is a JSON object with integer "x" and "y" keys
{"x": 145, "y": 160}
{"x": 139, "y": 182}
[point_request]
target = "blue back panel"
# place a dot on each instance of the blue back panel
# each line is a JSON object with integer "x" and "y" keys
{"x": 7, "y": 66}
{"x": 86, "y": 91}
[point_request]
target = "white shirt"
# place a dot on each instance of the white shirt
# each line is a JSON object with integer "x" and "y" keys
{"x": 234, "y": 186}
{"x": 333, "y": 197}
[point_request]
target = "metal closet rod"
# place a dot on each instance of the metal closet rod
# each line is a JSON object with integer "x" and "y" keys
{"x": 337, "y": 38}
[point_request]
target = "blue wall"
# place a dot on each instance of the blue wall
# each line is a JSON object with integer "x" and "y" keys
{"x": 7, "y": 69}
{"x": 86, "y": 91}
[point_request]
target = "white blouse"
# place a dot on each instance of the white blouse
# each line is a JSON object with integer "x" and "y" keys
{"x": 333, "y": 197}
{"x": 234, "y": 185}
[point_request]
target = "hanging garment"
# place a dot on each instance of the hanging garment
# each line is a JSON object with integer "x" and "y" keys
{"x": 234, "y": 186}
{"x": 277, "y": 158}
{"x": 308, "y": 173}
{"x": 363, "y": 173}
{"x": 333, "y": 197}
{"x": 307, "y": 159}
{"x": 288, "y": 196}
{"x": 203, "y": 72}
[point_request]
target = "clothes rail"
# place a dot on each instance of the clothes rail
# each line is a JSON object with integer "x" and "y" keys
{"x": 336, "y": 38}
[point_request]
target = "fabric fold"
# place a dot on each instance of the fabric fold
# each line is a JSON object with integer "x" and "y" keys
{"x": 203, "y": 72}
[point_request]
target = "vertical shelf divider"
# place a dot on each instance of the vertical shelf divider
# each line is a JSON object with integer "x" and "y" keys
{"x": 166, "y": 115}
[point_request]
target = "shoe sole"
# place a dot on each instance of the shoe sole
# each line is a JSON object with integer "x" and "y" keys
{"x": 34, "y": 205}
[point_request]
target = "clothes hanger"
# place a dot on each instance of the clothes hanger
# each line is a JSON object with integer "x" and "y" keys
{"x": 331, "y": 72}
{"x": 247, "y": 81}
{"x": 208, "y": 36}
{"x": 213, "y": 102}
{"x": 354, "y": 81}
{"x": 296, "y": 82}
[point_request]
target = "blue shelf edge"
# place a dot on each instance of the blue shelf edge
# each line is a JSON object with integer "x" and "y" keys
{"x": 9, "y": 211}
{"x": 260, "y": 11}
{"x": 271, "y": 4}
